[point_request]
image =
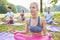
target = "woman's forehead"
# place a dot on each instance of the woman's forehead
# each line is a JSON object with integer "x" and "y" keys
{"x": 33, "y": 5}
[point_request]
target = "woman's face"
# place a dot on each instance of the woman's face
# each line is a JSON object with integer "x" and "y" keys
{"x": 33, "y": 9}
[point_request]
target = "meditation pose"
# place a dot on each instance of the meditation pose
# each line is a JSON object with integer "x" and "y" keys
{"x": 21, "y": 16}
{"x": 49, "y": 16}
{"x": 9, "y": 16}
{"x": 35, "y": 25}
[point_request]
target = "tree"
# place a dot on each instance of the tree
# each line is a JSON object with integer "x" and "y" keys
{"x": 41, "y": 9}
{"x": 4, "y": 4}
{"x": 14, "y": 9}
{"x": 19, "y": 8}
{"x": 53, "y": 2}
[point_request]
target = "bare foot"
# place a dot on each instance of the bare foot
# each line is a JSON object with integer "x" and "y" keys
{"x": 51, "y": 34}
{"x": 59, "y": 22}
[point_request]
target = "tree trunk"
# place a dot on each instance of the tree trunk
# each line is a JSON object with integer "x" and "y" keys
{"x": 41, "y": 9}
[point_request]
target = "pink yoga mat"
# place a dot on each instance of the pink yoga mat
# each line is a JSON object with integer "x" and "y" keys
{"x": 19, "y": 36}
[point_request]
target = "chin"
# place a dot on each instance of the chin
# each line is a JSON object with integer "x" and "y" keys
{"x": 32, "y": 13}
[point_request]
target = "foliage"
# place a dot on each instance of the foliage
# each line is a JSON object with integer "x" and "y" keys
{"x": 4, "y": 4}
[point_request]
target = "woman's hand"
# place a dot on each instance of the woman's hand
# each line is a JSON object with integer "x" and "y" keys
{"x": 50, "y": 34}
{"x": 12, "y": 31}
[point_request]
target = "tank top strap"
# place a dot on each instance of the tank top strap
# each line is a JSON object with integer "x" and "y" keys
{"x": 38, "y": 20}
{"x": 29, "y": 20}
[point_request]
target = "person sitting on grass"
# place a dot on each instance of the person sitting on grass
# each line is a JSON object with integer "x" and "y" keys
{"x": 10, "y": 16}
{"x": 49, "y": 16}
{"x": 21, "y": 15}
{"x": 35, "y": 25}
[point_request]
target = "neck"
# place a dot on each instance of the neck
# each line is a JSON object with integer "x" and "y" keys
{"x": 48, "y": 12}
{"x": 34, "y": 16}
{"x": 9, "y": 11}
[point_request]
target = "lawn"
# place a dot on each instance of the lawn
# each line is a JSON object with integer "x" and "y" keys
{"x": 6, "y": 28}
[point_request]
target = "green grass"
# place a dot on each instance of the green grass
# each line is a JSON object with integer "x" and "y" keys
{"x": 6, "y": 28}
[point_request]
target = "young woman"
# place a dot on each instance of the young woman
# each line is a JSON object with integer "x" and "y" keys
{"x": 35, "y": 25}
{"x": 21, "y": 15}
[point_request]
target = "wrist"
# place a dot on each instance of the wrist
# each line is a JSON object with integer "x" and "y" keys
{"x": 46, "y": 33}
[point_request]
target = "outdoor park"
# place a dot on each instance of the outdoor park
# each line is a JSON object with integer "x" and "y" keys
{"x": 16, "y": 9}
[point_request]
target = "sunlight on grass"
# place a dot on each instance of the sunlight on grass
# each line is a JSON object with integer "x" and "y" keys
{"x": 6, "y": 28}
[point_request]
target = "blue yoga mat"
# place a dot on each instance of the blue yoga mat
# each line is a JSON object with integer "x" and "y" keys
{"x": 6, "y": 36}
{"x": 53, "y": 28}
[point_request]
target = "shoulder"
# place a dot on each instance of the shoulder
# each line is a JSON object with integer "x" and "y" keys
{"x": 12, "y": 12}
{"x": 52, "y": 13}
{"x": 42, "y": 20}
{"x": 27, "y": 20}
{"x": 45, "y": 13}
{"x": 7, "y": 13}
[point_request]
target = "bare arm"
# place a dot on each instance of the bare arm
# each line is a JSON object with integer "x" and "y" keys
{"x": 5, "y": 16}
{"x": 44, "y": 27}
{"x": 18, "y": 16}
{"x": 52, "y": 17}
{"x": 25, "y": 32}
{"x": 45, "y": 17}
{"x": 11, "y": 17}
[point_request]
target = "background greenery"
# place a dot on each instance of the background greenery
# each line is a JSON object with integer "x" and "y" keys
{"x": 16, "y": 9}
{"x": 6, "y": 28}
